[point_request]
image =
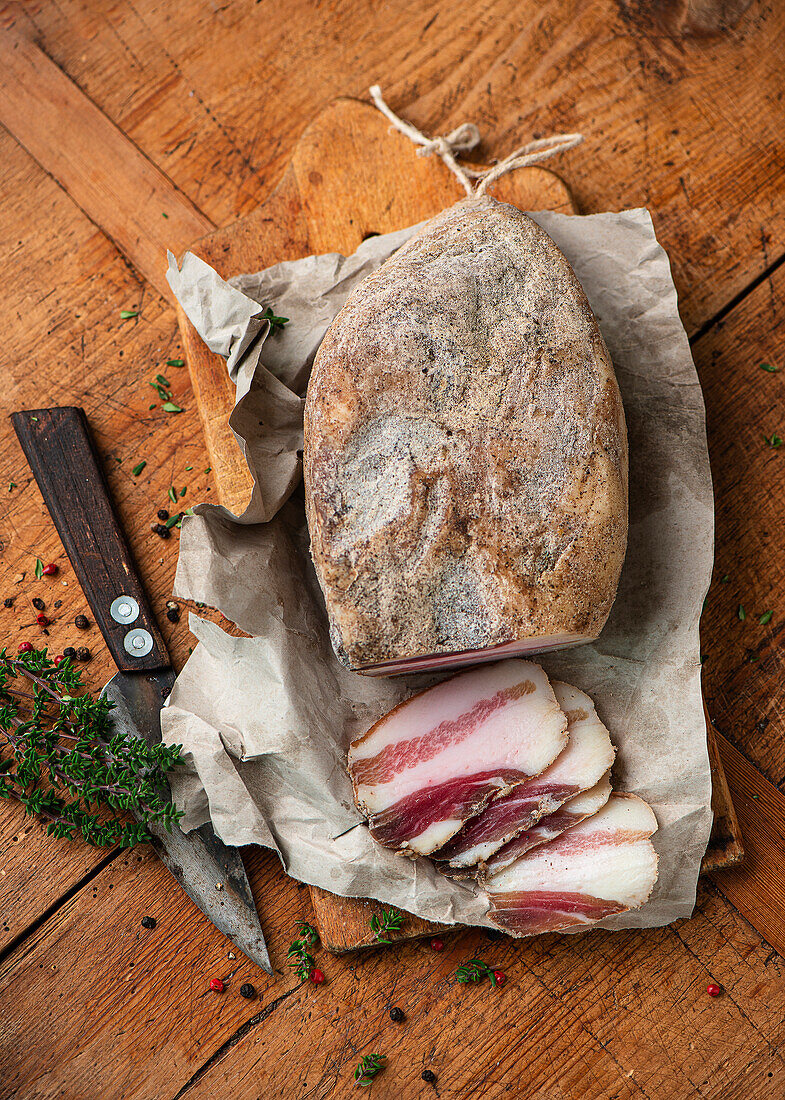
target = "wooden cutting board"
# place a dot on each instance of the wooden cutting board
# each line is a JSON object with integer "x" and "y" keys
{"x": 353, "y": 176}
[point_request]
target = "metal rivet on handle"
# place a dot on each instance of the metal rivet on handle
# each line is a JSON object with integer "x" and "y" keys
{"x": 138, "y": 642}
{"x": 124, "y": 609}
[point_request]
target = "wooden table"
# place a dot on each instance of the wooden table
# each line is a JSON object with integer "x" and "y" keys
{"x": 91, "y": 1003}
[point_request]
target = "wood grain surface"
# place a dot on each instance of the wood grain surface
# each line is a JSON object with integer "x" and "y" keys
{"x": 216, "y": 96}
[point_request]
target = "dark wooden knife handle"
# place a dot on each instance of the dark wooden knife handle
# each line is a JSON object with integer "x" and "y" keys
{"x": 60, "y": 449}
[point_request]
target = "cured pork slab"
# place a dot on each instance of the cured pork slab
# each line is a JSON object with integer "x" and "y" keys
{"x": 603, "y": 866}
{"x": 465, "y": 454}
{"x": 548, "y": 828}
{"x": 588, "y": 756}
{"x": 439, "y": 757}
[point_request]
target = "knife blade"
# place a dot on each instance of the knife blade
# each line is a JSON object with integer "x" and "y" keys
{"x": 60, "y": 450}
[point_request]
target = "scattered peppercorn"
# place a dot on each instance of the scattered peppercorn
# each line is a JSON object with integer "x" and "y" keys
{"x": 81, "y": 622}
{"x": 216, "y": 985}
{"x": 429, "y": 1076}
{"x": 500, "y": 977}
{"x": 49, "y": 570}
{"x": 42, "y": 620}
{"x": 58, "y": 604}
{"x": 248, "y": 991}
{"x": 317, "y": 977}
{"x": 8, "y": 601}
{"x": 173, "y": 614}
{"x": 437, "y": 945}
{"x": 149, "y": 922}
{"x": 38, "y": 603}
{"x": 162, "y": 514}
{"x": 69, "y": 651}
{"x": 26, "y": 647}
{"x": 397, "y": 1016}
{"x": 83, "y": 653}
{"x": 160, "y": 530}
{"x": 59, "y": 659}
{"x": 713, "y": 990}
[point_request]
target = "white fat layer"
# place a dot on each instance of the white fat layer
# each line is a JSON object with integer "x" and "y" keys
{"x": 528, "y": 646}
{"x": 589, "y": 802}
{"x": 525, "y": 735}
{"x": 623, "y": 871}
{"x": 588, "y": 755}
{"x": 434, "y": 836}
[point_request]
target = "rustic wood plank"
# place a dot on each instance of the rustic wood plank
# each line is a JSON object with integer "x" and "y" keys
{"x": 96, "y": 164}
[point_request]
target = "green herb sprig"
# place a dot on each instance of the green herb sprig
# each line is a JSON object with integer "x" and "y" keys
{"x": 474, "y": 971}
{"x": 368, "y": 1068}
{"x": 276, "y": 323}
{"x": 298, "y": 956}
{"x": 61, "y": 761}
{"x": 390, "y": 921}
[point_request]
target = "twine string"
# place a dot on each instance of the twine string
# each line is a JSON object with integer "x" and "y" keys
{"x": 466, "y": 137}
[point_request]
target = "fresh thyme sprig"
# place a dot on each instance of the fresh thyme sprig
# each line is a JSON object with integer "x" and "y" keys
{"x": 368, "y": 1067}
{"x": 61, "y": 761}
{"x": 298, "y": 956}
{"x": 275, "y": 322}
{"x": 474, "y": 971}
{"x": 390, "y": 921}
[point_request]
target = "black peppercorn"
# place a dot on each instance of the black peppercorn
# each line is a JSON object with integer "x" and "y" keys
{"x": 248, "y": 991}
{"x": 58, "y": 603}
{"x": 69, "y": 651}
{"x": 161, "y": 531}
{"x": 173, "y": 614}
{"x": 397, "y": 1016}
{"x": 9, "y": 601}
{"x": 83, "y": 653}
{"x": 429, "y": 1076}
{"x": 38, "y": 603}
{"x": 81, "y": 622}
{"x": 163, "y": 515}
{"x": 149, "y": 922}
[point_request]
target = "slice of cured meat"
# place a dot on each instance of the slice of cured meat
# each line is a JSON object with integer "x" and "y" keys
{"x": 603, "y": 866}
{"x": 439, "y": 757}
{"x": 548, "y": 828}
{"x": 587, "y": 757}
{"x": 465, "y": 454}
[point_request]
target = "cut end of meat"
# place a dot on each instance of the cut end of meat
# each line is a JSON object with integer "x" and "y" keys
{"x": 439, "y": 757}
{"x": 603, "y": 866}
{"x": 526, "y": 647}
{"x": 587, "y": 757}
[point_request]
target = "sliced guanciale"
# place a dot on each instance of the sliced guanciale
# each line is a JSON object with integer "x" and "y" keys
{"x": 605, "y": 865}
{"x": 588, "y": 756}
{"x": 548, "y": 828}
{"x": 439, "y": 757}
{"x": 465, "y": 452}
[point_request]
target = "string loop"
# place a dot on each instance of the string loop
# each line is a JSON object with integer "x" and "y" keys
{"x": 466, "y": 137}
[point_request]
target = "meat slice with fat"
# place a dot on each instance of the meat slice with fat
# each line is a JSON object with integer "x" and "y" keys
{"x": 605, "y": 865}
{"x": 439, "y": 757}
{"x": 551, "y": 826}
{"x": 587, "y": 757}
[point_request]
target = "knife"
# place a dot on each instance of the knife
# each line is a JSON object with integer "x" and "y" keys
{"x": 60, "y": 450}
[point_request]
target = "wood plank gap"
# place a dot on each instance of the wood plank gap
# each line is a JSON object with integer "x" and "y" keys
{"x": 234, "y": 1039}
{"x": 737, "y": 299}
{"x": 65, "y": 897}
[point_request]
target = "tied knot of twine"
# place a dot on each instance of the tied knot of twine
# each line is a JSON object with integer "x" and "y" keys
{"x": 467, "y": 137}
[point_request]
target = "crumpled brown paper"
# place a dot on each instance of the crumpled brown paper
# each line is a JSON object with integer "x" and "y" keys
{"x": 266, "y": 721}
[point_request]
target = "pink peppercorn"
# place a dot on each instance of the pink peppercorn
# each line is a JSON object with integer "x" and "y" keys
{"x": 437, "y": 945}
{"x": 317, "y": 977}
{"x": 42, "y": 620}
{"x": 216, "y": 985}
{"x": 49, "y": 570}
{"x": 713, "y": 990}
{"x": 500, "y": 977}
{"x": 26, "y": 647}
